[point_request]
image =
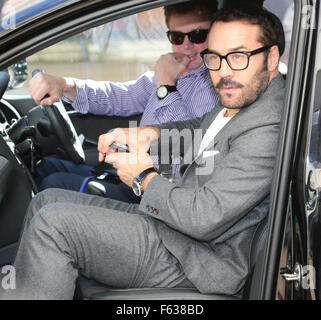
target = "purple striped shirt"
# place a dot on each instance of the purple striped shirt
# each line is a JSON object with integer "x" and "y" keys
{"x": 194, "y": 97}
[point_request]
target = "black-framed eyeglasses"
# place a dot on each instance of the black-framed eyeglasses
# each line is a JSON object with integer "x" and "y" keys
{"x": 237, "y": 60}
{"x": 194, "y": 36}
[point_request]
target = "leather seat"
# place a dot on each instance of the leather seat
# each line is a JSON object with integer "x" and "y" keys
{"x": 87, "y": 289}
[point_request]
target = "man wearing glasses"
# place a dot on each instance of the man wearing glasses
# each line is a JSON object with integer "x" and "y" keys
{"x": 180, "y": 89}
{"x": 196, "y": 233}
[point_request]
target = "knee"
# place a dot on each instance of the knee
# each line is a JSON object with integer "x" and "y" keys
{"x": 49, "y": 226}
{"x": 52, "y": 216}
{"x": 47, "y": 166}
{"x": 47, "y": 196}
{"x": 40, "y": 200}
{"x": 54, "y": 180}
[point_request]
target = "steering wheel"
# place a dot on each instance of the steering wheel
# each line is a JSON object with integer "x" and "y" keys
{"x": 4, "y": 80}
{"x": 64, "y": 130}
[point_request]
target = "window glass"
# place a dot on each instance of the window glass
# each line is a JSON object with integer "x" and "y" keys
{"x": 118, "y": 51}
{"x": 284, "y": 10}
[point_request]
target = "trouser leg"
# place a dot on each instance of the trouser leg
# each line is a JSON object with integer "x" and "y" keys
{"x": 50, "y": 196}
{"x": 50, "y": 165}
{"x": 71, "y": 181}
{"x": 119, "y": 249}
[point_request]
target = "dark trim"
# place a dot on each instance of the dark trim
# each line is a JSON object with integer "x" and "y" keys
{"x": 300, "y": 55}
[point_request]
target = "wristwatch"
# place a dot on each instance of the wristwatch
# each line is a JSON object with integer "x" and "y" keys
{"x": 164, "y": 90}
{"x": 137, "y": 182}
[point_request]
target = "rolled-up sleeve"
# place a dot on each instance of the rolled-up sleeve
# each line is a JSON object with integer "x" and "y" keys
{"x": 113, "y": 98}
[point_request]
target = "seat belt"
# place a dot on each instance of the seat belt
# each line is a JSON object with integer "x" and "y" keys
{"x": 87, "y": 179}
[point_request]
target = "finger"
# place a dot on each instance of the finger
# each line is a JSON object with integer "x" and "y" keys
{"x": 179, "y": 55}
{"x": 119, "y": 160}
{"x": 38, "y": 91}
{"x": 101, "y": 156}
{"x": 47, "y": 101}
{"x": 185, "y": 60}
{"x": 178, "y": 58}
{"x": 112, "y": 158}
{"x": 104, "y": 141}
{"x": 164, "y": 59}
{"x": 50, "y": 97}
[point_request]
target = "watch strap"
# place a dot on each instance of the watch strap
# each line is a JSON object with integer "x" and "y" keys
{"x": 144, "y": 173}
{"x": 170, "y": 88}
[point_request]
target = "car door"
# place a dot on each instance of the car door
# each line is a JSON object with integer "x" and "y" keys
{"x": 287, "y": 203}
{"x": 290, "y": 264}
{"x": 16, "y": 190}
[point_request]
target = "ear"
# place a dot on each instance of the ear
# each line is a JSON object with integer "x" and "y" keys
{"x": 273, "y": 58}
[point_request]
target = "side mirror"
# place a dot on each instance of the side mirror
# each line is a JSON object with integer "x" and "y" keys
{"x": 18, "y": 74}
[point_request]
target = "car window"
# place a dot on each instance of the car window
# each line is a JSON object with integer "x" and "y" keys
{"x": 313, "y": 166}
{"x": 284, "y": 10}
{"x": 118, "y": 51}
{"x": 123, "y": 49}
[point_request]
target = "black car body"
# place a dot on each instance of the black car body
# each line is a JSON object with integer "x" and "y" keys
{"x": 286, "y": 262}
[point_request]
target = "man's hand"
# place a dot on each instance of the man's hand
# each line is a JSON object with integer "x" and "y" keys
{"x": 130, "y": 165}
{"x": 169, "y": 68}
{"x": 43, "y": 84}
{"x": 138, "y": 140}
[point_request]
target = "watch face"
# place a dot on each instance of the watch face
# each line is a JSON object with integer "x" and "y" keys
{"x": 162, "y": 92}
{"x": 136, "y": 186}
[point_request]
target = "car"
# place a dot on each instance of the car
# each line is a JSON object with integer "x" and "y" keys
{"x": 122, "y": 39}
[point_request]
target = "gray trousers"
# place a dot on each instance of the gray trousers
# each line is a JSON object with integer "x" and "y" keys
{"x": 67, "y": 233}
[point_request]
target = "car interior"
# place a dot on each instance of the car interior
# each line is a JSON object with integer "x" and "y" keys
{"x": 120, "y": 47}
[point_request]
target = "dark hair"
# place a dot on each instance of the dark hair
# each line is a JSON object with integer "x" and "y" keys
{"x": 205, "y": 8}
{"x": 238, "y": 3}
{"x": 270, "y": 25}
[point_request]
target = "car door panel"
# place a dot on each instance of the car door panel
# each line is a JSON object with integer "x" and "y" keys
{"x": 15, "y": 195}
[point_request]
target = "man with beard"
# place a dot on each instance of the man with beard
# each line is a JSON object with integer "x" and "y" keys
{"x": 196, "y": 233}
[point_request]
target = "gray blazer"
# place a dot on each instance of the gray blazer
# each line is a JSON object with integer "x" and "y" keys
{"x": 208, "y": 221}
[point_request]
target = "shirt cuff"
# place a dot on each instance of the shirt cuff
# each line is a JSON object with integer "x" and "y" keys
{"x": 81, "y": 102}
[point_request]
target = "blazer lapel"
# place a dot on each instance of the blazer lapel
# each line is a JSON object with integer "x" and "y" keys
{"x": 226, "y": 130}
{"x": 191, "y": 154}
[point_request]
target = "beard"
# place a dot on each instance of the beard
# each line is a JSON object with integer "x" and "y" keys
{"x": 250, "y": 92}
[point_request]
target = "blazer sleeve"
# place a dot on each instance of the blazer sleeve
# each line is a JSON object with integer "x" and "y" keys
{"x": 238, "y": 183}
